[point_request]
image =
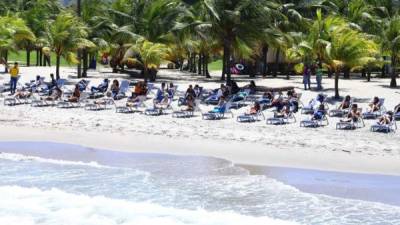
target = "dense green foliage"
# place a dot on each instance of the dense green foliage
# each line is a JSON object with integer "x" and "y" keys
{"x": 341, "y": 36}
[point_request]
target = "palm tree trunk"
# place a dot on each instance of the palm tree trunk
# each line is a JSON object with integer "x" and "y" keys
{"x": 37, "y": 57}
{"x": 205, "y": 70}
{"x": 6, "y": 61}
{"x": 346, "y": 73}
{"x": 40, "y": 58}
{"x": 363, "y": 73}
{"x": 369, "y": 74}
{"x": 194, "y": 66}
{"x": 58, "y": 67}
{"x": 264, "y": 60}
{"x": 276, "y": 62}
{"x": 85, "y": 62}
{"x": 79, "y": 67}
{"x": 28, "y": 57}
{"x": 227, "y": 57}
{"x": 393, "y": 82}
{"x": 337, "y": 84}
{"x": 199, "y": 64}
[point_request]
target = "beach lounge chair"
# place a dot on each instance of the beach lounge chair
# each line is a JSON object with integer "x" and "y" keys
{"x": 96, "y": 106}
{"x": 68, "y": 105}
{"x": 337, "y": 112}
{"x": 123, "y": 89}
{"x": 38, "y": 102}
{"x": 373, "y": 115}
{"x": 13, "y": 101}
{"x": 218, "y": 113}
{"x": 313, "y": 122}
{"x": 251, "y": 117}
{"x": 385, "y": 128}
{"x": 311, "y": 107}
{"x": 187, "y": 113}
{"x": 279, "y": 120}
{"x": 352, "y": 125}
{"x": 158, "y": 110}
{"x": 397, "y": 112}
{"x": 133, "y": 107}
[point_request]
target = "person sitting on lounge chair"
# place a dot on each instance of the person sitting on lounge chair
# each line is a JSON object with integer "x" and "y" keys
{"x": 277, "y": 101}
{"x": 197, "y": 90}
{"x": 353, "y": 114}
{"x": 35, "y": 84}
{"x": 164, "y": 103}
{"x": 386, "y": 119}
{"x": 374, "y": 106}
{"x": 114, "y": 88}
{"x": 103, "y": 101}
{"x": 53, "y": 82}
{"x": 345, "y": 103}
{"x": 220, "y": 108}
{"x": 101, "y": 87}
{"x": 23, "y": 94}
{"x": 284, "y": 111}
{"x": 254, "y": 109}
{"x": 55, "y": 94}
{"x": 160, "y": 94}
{"x": 319, "y": 113}
{"x": 171, "y": 89}
{"x": 83, "y": 84}
{"x": 190, "y": 92}
{"x": 76, "y": 94}
{"x": 190, "y": 104}
{"x": 252, "y": 87}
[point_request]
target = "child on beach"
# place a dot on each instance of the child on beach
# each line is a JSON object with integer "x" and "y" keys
{"x": 353, "y": 114}
{"x": 346, "y": 103}
{"x": 386, "y": 119}
{"x": 319, "y": 113}
{"x": 374, "y": 105}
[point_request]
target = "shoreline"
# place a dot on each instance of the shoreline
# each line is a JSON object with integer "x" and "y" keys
{"x": 239, "y": 153}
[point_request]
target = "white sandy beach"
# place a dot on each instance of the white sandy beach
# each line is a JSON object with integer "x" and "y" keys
{"x": 256, "y": 143}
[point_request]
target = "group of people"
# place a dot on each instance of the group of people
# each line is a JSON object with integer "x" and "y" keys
{"x": 307, "y": 73}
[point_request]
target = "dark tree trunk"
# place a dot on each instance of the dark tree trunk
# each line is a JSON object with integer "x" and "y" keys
{"x": 227, "y": 57}
{"x": 346, "y": 73}
{"x": 393, "y": 82}
{"x": 37, "y": 57}
{"x": 383, "y": 71}
{"x": 275, "y": 74}
{"x": 288, "y": 70}
{"x": 330, "y": 73}
{"x": 85, "y": 62}
{"x": 194, "y": 66}
{"x": 264, "y": 60}
{"x": 40, "y": 58}
{"x": 337, "y": 96}
{"x": 28, "y": 57}
{"x": 369, "y": 74}
{"x": 363, "y": 73}
{"x": 6, "y": 61}
{"x": 79, "y": 67}
{"x": 199, "y": 64}
{"x": 205, "y": 70}
{"x": 58, "y": 67}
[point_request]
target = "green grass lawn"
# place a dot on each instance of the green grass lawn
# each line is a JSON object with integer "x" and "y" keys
{"x": 21, "y": 57}
{"x": 216, "y": 65}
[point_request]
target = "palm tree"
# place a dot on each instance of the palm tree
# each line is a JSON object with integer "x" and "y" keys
{"x": 235, "y": 22}
{"x": 349, "y": 49}
{"x": 66, "y": 34}
{"x": 13, "y": 31}
{"x": 391, "y": 44}
{"x": 149, "y": 56}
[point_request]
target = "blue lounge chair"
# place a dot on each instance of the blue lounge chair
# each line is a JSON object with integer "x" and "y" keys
{"x": 218, "y": 112}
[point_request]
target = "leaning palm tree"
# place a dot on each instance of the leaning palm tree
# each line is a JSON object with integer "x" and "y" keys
{"x": 66, "y": 34}
{"x": 148, "y": 55}
{"x": 349, "y": 49}
{"x": 13, "y": 31}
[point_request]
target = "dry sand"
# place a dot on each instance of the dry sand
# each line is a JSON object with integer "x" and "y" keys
{"x": 256, "y": 143}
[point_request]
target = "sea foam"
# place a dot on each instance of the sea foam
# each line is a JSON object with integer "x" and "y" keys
{"x": 31, "y": 206}
{"x": 24, "y": 158}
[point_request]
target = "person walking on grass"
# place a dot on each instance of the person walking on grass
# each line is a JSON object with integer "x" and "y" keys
{"x": 14, "y": 73}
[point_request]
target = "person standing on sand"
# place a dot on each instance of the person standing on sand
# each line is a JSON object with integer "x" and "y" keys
{"x": 307, "y": 77}
{"x": 14, "y": 73}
